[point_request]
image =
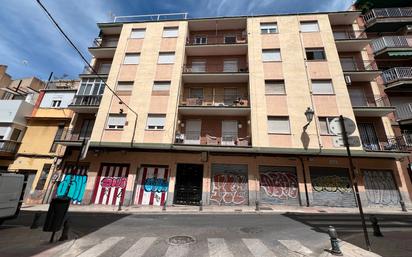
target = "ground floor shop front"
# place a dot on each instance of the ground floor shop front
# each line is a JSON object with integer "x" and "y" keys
{"x": 156, "y": 178}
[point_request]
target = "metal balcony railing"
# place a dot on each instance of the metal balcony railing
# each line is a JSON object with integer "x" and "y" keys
{"x": 100, "y": 70}
{"x": 151, "y": 17}
{"x": 235, "y": 38}
{"x": 72, "y": 135}
{"x": 9, "y": 146}
{"x": 105, "y": 42}
{"x": 376, "y": 101}
{"x": 217, "y": 100}
{"x": 86, "y": 100}
{"x": 396, "y": 74}
{"x": 344, "y": 34}
{"x": 407, "y": 137}
{"x": 391, "y": 42}
{"x": 404, "y": 112}
{"x": 355, "y": 65}
{"x": 214, "y": 68}
{"x": 373, "y": 14}
{"x": 397, "y": 144}
{"x": 228, "y": 139}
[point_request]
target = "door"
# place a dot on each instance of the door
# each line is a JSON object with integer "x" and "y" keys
{"x": 198, "y": 66}
{"x": 348, "y": 63}
{"x": 368, "y": 136}
{"x": 188, "y": 189}
{"x": 193, "y": 129}
{"x": 230, "y": 65}
{"x": 229, "y": 132}
{"x": 381, "y": 189}
{"x": 73, "y": 182}
{"x": 229, "y": 184}
{"x": 111, "y": 181}
{"x": 357, "y": 97}
{"x": 29, "y": 176}
{"x": 230, "y": 96}
{"x": 152, "y": 184}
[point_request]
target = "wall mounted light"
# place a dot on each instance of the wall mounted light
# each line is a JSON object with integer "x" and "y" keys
{"x": 182, "y": 125}
{"x": 309, "y": 113}
{"x": 239, "y": 125}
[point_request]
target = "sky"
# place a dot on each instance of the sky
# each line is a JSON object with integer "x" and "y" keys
{"x": 31, "y": 46}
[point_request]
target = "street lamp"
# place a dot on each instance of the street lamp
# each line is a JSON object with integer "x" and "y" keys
{"x": 309, "y": 117}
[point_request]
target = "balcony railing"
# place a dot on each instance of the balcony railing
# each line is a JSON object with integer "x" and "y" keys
{"x": 71, "y": 135}
{"x": 344, "y": 34}
{"x": 9, "y": 146}
{"x": 228, "y": 139}
{"x": 376, "y": 101}
{"x": 106, "y": 42}
{"x": 391, "y": 42}
{"x": 407, "y": 137}
{"x": 217, "y": 100}
{"x": 198, "y": 40}
{"x": 354, "y": 65}
{"x": 86, "y": 100}
{"x": 404, "y": 112}
{"x": 373, "y": 14}
{"x": 397, "y": 144}
{"x": 396, "y": 74}
{"x": 100, "y": 70}
{"x": 214, "y": 68}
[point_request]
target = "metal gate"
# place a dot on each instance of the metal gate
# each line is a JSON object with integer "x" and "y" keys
{"x": 381, "y": 189}
{"x": 73, "y": 183}
{"x": 151, "y": 186}
{"x": 188, "y": 189}
{"x": 278, "y": 185}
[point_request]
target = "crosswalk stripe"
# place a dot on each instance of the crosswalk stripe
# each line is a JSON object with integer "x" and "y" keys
{"x": 257, "y": 248}
{"x": 177, "y": 251}
{"x": 295, "y": 246}
{"x": 101, "y": 247}
{"x": 218, "y": 248}
{"x": 140, "y": 247}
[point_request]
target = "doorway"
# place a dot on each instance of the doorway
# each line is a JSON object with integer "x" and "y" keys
{"x": 188, "y": 189}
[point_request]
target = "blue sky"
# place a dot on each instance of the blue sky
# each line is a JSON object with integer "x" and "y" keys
{"x": 31, "y": 46}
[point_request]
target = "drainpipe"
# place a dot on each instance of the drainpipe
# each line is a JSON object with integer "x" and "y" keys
{"x": 304, "y": 181}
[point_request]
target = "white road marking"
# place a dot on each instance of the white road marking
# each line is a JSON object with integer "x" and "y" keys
{"x": 295, "y": 246}
{"x": 101, "y": 247}
{"x": 140, "y": 247}
{"x": 177, "y": 251}
{"x": 257, "y": 248}
{"x": 218, "y": 248}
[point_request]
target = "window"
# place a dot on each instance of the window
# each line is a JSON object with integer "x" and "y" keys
{"x": 230, "y": 65}
{"x": 196, "y": 92}
{"x": 200, "y": 40}
{"x": 104, "y": 68}
{"x": 57, "y": 137}
{"x": 198, "y": 65}
{"x": 125, "y": 86}
{"x": 166, "y": 58}
{"x": 279, "y": 125}
{"x": 315, "y": 54}
{"x": 131, "y": 59}
{"x": 230, "y": 39}
{"x": 116, "y": 121}
{"x": 15, "y": 135}
{"x": 322, "y": 87}
{"x": 275, "y": 87}
{"x": 156, "y": 121}
{"x": 271, "y": 55}
{"x": 56, "y": 103}
{"x": 269, "y": 28}
{"x": 3, "y": 131}
{"x": 137, "y": 33}
{"x": 324, "y": 125}
{"x": 161, "y": 86}
{"x": 91, "y": 87}
{"x": 43, "y": 177}
{"x": 309, "y": 26}
{"x": 170, "y": 32}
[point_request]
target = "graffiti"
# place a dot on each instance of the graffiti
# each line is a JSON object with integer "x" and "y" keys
{"x": 381, "y": 188}
{"x": 155, "y": 185}
{"x": 114, "y": 182}
{"x": 152, "y": 186}
{"x": 111, "y": 184}
{"x": 76, "y": 186}
{"x": 280, "y": 185}
{"x": 332, "y": 184}
{"x": 229, "y": 188}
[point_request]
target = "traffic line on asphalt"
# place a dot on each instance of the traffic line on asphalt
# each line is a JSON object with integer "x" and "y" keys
{"x": 218, "y": 248}
{"x": 140, "y": 247}
{"x": 177, "y": 251}
{"x": 295, "y": 246}
{"x": 257, "y": 248}
{"x": 101, "y": 247}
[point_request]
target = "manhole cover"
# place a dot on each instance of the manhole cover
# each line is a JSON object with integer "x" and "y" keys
{"x": 181, "y": 240}
{"x": 251, "y": 230}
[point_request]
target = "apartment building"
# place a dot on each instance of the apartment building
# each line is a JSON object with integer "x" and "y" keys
{"x": 215, "y": 111}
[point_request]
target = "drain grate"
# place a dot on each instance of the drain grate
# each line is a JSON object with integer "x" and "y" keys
{"x": 181, "y": 240}
{"x": 251, "y": 230}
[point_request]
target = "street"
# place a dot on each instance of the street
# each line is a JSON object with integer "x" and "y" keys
{"x": 109, "y": 234}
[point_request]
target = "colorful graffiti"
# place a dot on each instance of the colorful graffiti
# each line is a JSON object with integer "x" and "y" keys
{"x": 279, "y": 186}
{"x": 332, "y": 184}
{"x": 381, "y": 189}
{"x": 74, "y": 186}
{"x": 152, "y": 186}
{"x": 229, "y": 189}
{"x": 111, "y": 184}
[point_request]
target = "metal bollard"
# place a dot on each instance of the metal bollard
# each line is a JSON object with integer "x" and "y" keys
{"x": 164, "y": 206}
{"x": 375, "y": 226}
{"x": 66, "y": 229}
{"x": 201, "y": 205}
{"x": 403, "y": 206}
{"x": 257, "y": 206}
{"x": 120, "y": 206}
{"x": 36, "y": 219}
{"x": 334, "y": 241}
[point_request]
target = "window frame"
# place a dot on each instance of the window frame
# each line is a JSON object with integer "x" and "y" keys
{"x": 285, "y": 118}
{"x": 53, "y": 105}
{"x": 162, "y": 83}
{"x": 160, "y": 54}
{"x": 135, "y": 30}
{"x": 169, "y": 28}
{"x": 322, "y": 80}
{"x": 307, "y": 22}
{"x": 265, "y": 31}
{"x": 155, "y": 127}
{"x": 130, "y": 54}
{"x": 201, "y": 39}
{"x": 229, "y": 36}
{"x": 327, "y": 120}
{"x": 273, "y": 50}
{"x": 274, "y": 81}
{"x": 116, "y": 126}
{"x": 314, "y": 50}
{"x": 123, "y": 83}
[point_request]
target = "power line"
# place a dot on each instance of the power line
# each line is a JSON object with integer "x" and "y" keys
{"x": 82, "y": 56}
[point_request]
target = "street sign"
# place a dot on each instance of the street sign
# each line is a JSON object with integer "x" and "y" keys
{"x": 336, "y": 129}
{"x": 352, "y": 140}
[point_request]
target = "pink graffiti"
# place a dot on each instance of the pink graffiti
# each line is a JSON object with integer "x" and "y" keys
{"x": 281, "y": 185}
{"x": 113, "y": 182}
{"x": 229, "y": 189}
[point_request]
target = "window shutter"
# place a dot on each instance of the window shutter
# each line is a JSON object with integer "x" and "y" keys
{"x": 267, "y": 28}
{"x": 309, "y": 26}
{"x": 131, "y": 59}
{"x": 170, "y": 32}
{"x": 161, "y": 86}
{"x": 116, "y": 120}
{"x": 271, "y": 55}
{"x": 124, "y": 86}
{"x": 166, "y": 58}
{"x": 275, "y": 87}
{"x": 322, "y": 87}
{"x": 278, "y": 125}
{"x": 156, "y": 120}
{"x": 137, "y": 33}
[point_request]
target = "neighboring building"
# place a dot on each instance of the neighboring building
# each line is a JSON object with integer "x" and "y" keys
{"x": 220, "y": 109}
{"x": 5, "y": 79}
{"x": 39, "y": 155}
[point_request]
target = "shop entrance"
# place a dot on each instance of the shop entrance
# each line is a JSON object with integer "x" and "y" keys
{"x": 188, "y": 189}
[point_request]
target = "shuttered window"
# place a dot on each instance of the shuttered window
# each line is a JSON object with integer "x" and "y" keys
{"x": 315, "y": 54}
{"x": 131, "y": 59}
{"x": 156, "y": 121}
{"x": 166, "y": 58}
{"x": 137, "y": 33}
{"x": 124, "y": 86}
{"x": 271, "y": 55}
{"x": 309, "y": 26}
{"x": 322, "y": 87}
{"x": 279, "y": 125}
{"x": 324, "y": 125}
{"x": 275, "y": 87}
{"x": 161, "y": 86}
{"x": 116, "y": 121}
{"x": 269, "y": 28}
{"x": 170, "y": 32}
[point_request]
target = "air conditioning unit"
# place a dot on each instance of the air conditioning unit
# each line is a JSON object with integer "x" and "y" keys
{"x": 348, "y": 80}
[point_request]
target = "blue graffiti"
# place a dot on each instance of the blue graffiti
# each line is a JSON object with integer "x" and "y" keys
{"x": 155, "y": 185}
{"x": 76, "y": 185}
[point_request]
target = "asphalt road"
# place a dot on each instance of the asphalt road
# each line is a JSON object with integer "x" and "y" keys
{"x": 99, "y": 234}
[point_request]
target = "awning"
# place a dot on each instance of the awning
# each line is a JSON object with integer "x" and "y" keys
{"x": 405, "y": 53}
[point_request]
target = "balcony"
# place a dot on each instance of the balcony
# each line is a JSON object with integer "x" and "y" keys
{"x": 104, "y": 47}
{"x": 102, "y": 71}
{"x": 387, "y": 19}
{"x": 391, "y": 144}
{"x": 8, "y": 147}
{"x": 398, "y": 79}
{"x": 403, "y": 113}
{"x": 215, "y": 73}
{"x": 359, "y": 70}
{"x": 376, "y": 106}
{"x": 205, "y": 44}
{"x": 71, "y": 137}
{"x": 392, "y": 46}
{"x": 85, "y": 103}
{"x": 350, "y": 40}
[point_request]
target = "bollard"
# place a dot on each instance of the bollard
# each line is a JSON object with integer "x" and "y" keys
{"x": 201, "y": 205}
{"x": 65, "y": 232}
{"x": 36, "y": 219}
{"x": 334, "y": 241}
{"x": 375, "y": 226}
{"x": 403, "y": 206}
{"x": 164, "y": 206}
{"x": 257, "y": 206}
{"x": 120, "y": 206}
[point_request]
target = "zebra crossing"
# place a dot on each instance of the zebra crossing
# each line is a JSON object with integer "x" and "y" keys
{"x": 216, "y": 247}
